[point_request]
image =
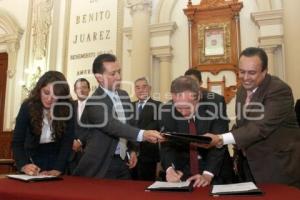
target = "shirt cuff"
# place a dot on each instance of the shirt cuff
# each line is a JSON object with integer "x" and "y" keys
{"x": 208, "y": 173}
{"x": 140, "y": 136}
{"x": 228, "y": 138}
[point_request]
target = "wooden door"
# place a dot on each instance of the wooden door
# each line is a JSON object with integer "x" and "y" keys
{"x": 5, "y": 137}
{"x": 3, "y": 77}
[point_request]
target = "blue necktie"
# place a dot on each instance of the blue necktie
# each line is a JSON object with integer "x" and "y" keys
{"x": 140, "y": 107}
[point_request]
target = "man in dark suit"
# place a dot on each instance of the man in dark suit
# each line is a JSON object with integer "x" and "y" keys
{"x": 104, "y": 131}
{"x": 226, "y": 173}
{"x": 267, "y": 136}
{"x": 82, "y": 91}
{"x": 205, "y": 94}
{"x": 146, "y": 117}
{"x": 187, "y": 114}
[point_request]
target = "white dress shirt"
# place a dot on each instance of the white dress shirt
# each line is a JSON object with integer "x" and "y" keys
{"x": 46, "y": 135}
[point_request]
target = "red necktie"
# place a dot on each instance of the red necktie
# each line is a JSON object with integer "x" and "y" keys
{"x": 248, "y": 98}
{"x": 194, "y": 162}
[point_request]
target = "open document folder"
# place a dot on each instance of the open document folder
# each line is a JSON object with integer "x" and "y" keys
{"x": 247, "y": 188}
{"x": 184, "y": 186}
{"x": 27, "y": 178}
{"x": 185, "y": 137}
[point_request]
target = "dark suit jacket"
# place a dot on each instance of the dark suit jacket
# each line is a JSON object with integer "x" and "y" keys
{"x": 297, "y": 110}
{"x": 148, "y": 120}
{"x": 207, "y": 119}
{"x": 74, "y": 156}
{"x": 25, "y": 142}
{"x": 272, "y": 143}
{"x": 75, "y": 107}
{"x": 101, "y": 133}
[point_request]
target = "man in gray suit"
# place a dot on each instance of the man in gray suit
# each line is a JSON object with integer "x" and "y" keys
{"x": 266, "y": 136}
{"x": 104, "y": 131}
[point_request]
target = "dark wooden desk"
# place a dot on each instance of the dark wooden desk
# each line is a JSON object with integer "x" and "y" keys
{"x": 75, "y": 188}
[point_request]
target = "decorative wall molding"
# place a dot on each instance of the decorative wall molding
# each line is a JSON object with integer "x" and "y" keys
{"x": 42, "y": 20}
{"x": 275, "y": 40}
{"x": 270, "y": 24}
{"x": 139, "y": 5}
{"x": 163, "y": 29}
{"x": 207, "y": 4}
{"x": 164, "y": 11}
{"x": 270, "y": 17}
{"x": 163, "y": 53}
{"x": 11, "y": 40}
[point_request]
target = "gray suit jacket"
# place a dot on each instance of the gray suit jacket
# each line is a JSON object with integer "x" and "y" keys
{"x": 100, "y": 133}
{"x": 272, "y": 143}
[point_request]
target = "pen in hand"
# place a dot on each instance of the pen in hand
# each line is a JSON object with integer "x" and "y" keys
{"x": 34, "y": 171}
{"x": 128, "y": 155}
{"x": 162, "y": 129}
{"x": 173, "y": 167}
{"x": 173, "y": 175}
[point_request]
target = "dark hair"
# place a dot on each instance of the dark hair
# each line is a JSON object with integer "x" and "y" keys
{"x": 255, "y": 51}
{"x": 185, "y": 83}
{"x": 195, "y": 73}
{"x": 61, "y": 90}
{"x": 99, "y": 60}
{"x": 82, "y": 80}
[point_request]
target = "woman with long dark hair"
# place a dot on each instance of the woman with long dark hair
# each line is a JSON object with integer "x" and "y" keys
{"x": 44, "y": 128}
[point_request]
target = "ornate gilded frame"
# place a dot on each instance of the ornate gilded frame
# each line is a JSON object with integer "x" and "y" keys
{"x": 221, "y": 43}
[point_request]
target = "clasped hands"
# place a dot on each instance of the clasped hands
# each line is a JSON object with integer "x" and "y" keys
{"x": 174, "y": 176}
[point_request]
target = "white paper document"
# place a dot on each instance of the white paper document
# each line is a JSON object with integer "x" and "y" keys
{"x": 167, "y": 186}
{"x": 25, "y": 177}
{"x": 237, "y": 188}
{"x": 161, "y": 184}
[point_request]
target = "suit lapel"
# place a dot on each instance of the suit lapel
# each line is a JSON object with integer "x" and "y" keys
{"x": 101, "y": 96}
{"x": 256, "y": 98}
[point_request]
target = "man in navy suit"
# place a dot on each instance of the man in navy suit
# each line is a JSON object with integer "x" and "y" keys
{"x": 146, "y": 117}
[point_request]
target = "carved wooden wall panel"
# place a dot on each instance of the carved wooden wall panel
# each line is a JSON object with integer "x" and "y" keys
{"x": 214, "y": 38}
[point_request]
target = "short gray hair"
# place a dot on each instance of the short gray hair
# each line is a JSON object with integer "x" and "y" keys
{"x": 142, "y": 79}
